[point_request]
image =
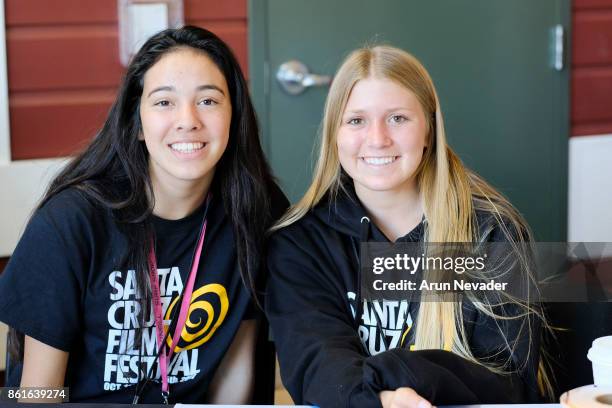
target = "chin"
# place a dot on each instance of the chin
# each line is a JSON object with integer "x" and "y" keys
{"x": 380, "y": 185}
{"x": 191, "y": 176}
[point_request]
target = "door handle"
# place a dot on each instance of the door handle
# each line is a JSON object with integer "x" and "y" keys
{"x": 295, "y": 77}
{"x": 558, "y": 47}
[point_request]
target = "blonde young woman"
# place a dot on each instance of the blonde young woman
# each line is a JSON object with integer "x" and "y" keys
{"x": 386, "y": 173}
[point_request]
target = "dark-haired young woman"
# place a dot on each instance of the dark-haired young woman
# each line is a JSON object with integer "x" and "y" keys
{"x": 152, "y": 236}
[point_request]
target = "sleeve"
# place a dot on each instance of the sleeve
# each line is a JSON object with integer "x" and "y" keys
{"x": 514, "y": 343}
{"x": 39, "y": 290}
{"x": 324, "y": 363}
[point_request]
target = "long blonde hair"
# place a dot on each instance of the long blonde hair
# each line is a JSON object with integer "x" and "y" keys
{"x": 451, "y": 193}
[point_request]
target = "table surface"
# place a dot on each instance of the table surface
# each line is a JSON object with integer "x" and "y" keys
{"x": 504, "y": 406}
{"x": 24, "y": 405}
{"x": 445, "y": 406}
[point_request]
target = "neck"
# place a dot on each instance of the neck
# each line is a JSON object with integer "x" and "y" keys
{"x": 178, "y": 199}
{"x": 396, "y": 212}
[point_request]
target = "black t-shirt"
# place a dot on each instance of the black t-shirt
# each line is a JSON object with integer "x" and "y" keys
{"x": 64, "y": 286}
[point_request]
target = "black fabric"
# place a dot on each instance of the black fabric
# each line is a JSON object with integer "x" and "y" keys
{"x": 64, "y": 286}
{"x": 576, "y": 326}
{"x": 329, "y": 358}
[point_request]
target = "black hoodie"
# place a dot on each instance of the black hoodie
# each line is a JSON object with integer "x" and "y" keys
{"x": 330, "y": 359}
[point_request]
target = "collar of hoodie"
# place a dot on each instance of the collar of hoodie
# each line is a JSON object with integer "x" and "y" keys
{"x": 345, "y": 214}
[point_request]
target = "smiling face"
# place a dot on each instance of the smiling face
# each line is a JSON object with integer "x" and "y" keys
{"x": 382, "y": 136}
{"x": 185, "y": 111}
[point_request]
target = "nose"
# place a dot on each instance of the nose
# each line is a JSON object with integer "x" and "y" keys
{"x": 378, "y": 135}
{"x": 188, "y": 119}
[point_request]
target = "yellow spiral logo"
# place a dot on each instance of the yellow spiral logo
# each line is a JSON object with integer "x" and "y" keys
{"x": 200, "y": 324}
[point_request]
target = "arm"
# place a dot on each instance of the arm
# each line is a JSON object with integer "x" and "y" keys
{"x": 233, "y": 381}
{"x": 320, "y": 355}
{"x": 41, "y": 289}
{"x": 322, "y": 358}
{"x": 43, "y": 366}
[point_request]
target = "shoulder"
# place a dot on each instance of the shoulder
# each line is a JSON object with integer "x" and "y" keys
{"x": 302, "y": 254}
{"x": 308, "y": 235}
{"x": 310, "y": 223}
{"x": 70, "y": 201}
{"x": 69, "y": 212}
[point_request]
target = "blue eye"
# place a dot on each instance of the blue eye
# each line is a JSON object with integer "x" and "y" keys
{"x": 398, "y": 118}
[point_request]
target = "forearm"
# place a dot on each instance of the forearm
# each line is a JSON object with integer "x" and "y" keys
{"x": 233, "y": 380}
{"x": 43, "y": 367}
{"x": 326, "y": 375}
{"x": 443, "y": 378}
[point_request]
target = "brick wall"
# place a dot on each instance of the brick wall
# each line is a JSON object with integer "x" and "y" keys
{"x": 591, "y": 81}
{"x": 63, "y": 66}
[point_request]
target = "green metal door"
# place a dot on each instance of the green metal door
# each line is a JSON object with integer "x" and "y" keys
{"x": 505, "y": 104}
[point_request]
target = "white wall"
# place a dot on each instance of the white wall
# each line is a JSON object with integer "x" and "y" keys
{"x": 22, "y": 184}
{"x": 3, "y": 333}
{"x": 590, "y": 189}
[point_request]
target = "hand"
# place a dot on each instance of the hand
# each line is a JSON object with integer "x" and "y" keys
{"x": 403, "y": 397}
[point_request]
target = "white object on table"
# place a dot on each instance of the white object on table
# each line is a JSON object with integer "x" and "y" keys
{"x": 503, "y": 406}
{"x": 600, "y": 355}
{"x": 239, "y": 406}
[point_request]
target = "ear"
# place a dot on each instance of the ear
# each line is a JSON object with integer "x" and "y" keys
{"x": 141, "y": 136}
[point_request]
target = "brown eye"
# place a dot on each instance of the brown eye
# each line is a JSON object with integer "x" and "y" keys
{"x": 208, "y": 102}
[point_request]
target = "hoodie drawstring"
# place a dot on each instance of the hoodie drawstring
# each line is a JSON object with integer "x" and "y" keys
{"x": 363, "y": 239}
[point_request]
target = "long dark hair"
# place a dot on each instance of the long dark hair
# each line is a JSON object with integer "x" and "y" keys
{"x": 113, "y": 170}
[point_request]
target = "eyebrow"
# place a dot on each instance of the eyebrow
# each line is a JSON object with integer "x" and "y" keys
{"x": 353, "y": 111}
{"x": 199, "y": 88}
{"x": 360, "y": 111}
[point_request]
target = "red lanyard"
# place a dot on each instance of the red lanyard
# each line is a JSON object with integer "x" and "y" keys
{"x": 164, "y": 357}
